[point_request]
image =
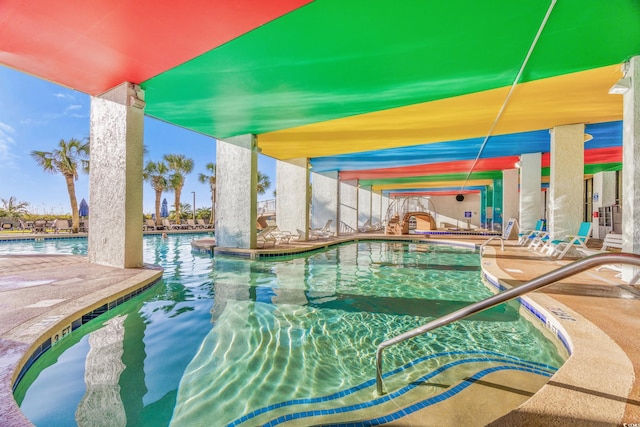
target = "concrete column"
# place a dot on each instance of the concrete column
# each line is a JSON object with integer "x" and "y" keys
{"x": 377, "y": 215}
{"x": 629, "y": 86}
{"x": 510, "y": 197}
{"x": 364, "y": 205}
{"x": 115, "y": 177}
{"x": 348, "y": 204}
{"x": 236, "y": 192}
{"x": 604, "y": 194}
{"x": 324, "y": 199}
{"x": 531, "y": 209}
{"x": 566, "y": 185}
{"x": 292, "y": 194}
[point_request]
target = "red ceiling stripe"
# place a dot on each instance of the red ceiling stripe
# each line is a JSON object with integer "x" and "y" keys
{"x": 95, "y": 45}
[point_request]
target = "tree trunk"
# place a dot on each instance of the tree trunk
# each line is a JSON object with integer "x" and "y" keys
{"x": 177, "y": 202}
{"x": 75, "y": 217}
{"x": 158, "y": 197}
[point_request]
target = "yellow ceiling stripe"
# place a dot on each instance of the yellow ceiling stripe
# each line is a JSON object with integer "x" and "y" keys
{"x": 542, "y": 104}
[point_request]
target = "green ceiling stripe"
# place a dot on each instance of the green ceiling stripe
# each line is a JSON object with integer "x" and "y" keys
{"x": 592, "y": 168}
{"x": 337, "y": 58}
{"x": 433, "y": 178}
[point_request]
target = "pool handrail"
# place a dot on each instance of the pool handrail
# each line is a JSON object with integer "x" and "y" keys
{"x": 530, "y": 286}
{"x": 482, "y": 246}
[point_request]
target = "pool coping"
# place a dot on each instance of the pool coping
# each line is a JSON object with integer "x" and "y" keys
{"x": 562, "y": 400}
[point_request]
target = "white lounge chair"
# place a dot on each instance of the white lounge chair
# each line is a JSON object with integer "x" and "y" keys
{"x": 611, "y": 241}
{"x": 320, "y": 233}
{"x": 561, "y": 247}
{"x": 61, "y": 225}
{"x": 265, "y": 236}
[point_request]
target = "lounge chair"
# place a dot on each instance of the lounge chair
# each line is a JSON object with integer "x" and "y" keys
{"x": 561, "y": 247}
{"x": 321, "y": 233}
{"x": 280, "y": 235}
{"x": 39, "y": 226}
{"x": 61, "y": 225}
{"x": 611, "y": 241}
{"x": 191, "y": 224}
{"x": 203, "y": 224}
{"x": 150, "y": 225}
{"x": 528, "y": 235}
{"x": 166, "y": 224}
{"x": 264, "y": 237}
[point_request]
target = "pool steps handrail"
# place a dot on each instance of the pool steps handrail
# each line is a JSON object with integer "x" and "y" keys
{"x": 532, "y": 285}
{"x": 482, "y": 246}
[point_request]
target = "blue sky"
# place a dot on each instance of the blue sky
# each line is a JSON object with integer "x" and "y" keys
{"x": 36, "y": 114}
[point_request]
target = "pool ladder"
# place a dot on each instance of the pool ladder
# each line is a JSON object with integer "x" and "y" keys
{"x": 535, "y": 284}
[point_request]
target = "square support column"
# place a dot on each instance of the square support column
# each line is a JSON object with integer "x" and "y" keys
{"x": 292, "y": 195}
{"x": 115, "y": 177}
{"x": 236, "y": 192}
{"x": 629, "y": 86}
{"x": 324, "y": 199}
{"x": 510, "y": 198}
{"x": 566, "y": 186}
{"x": 377, "y": 215}
{"x": 530, "y": 184}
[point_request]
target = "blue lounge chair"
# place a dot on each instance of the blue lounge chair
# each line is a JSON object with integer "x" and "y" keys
{"x": 528, "y": 235}
{"x": 561, "y": 247}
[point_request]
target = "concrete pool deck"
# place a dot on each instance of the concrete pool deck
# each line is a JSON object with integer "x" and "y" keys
{"x": 598, "y": 385}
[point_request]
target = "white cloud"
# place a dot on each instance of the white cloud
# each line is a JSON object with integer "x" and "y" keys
{"x": 66, "y": 96}
{"x": 74, "y": 107}
{"x": 6, "y": 144}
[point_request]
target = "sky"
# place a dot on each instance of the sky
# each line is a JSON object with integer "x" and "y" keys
{"x": 36, "y": 114}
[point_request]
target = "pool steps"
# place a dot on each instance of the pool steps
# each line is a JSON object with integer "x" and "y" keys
{"x": 450, "y": 373}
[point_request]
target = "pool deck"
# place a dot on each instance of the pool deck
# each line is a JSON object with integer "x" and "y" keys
{"x": 598, "y": 385}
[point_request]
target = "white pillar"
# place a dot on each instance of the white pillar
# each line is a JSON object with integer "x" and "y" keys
{"x": 364, "y": 205}
{"x": 115, "y": 177}
{"x": 629, "y": 86}
{"x": 604, "y": 194}
{"x": 292, "y": 195}
{"x": 566, "y": 185}
{"x": 348, "y": 204}
{"x": 531, "y": 209}
{"x": 510, "y": 197}
{"x": 236, "y": 192}
{"x": 324, "y": 199}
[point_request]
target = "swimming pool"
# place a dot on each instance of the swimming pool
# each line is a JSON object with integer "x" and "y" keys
{"x": 228, "y": 341}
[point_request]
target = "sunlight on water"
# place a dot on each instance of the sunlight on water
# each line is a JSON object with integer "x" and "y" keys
{"x": 223, "y": 338}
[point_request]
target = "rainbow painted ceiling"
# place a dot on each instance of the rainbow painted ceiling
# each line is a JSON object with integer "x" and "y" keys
{"x": 399, "y": 95}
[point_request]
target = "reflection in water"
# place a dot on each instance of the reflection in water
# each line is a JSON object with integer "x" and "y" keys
{"x": 101, "y": 404}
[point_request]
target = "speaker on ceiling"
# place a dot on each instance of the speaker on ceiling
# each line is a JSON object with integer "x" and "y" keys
{"x": 459, "y": 197}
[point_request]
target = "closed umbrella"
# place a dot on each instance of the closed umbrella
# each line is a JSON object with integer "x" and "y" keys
{"x": 164, "y": 209}
{"x": 83, "y": 210}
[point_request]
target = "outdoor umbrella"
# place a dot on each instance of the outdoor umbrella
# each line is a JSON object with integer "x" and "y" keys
{"x": 83, "y": 210}
{"x": 164, "y": 209}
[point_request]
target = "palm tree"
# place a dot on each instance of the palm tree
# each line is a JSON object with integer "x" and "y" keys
{"x": 156, "y": 174}
{"x": 179, "y": 165}
{"x": 263, "y": 183}
{"x": 70, "y": 157}
{"x": 12, "y": 208}
{"x": 211, "y": 179}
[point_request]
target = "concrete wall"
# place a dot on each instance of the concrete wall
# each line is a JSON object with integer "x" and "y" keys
{"x": 604, "y": 194}
{"x": 364, "y": 205}
{"x": 292, "y": 190}
{"x": 377, "y": 215}
{"x": 324, "y": 199}
{"x": 348, "y": 204}
{"x": 115, "y": 177}
{"x": 449, "y": 210}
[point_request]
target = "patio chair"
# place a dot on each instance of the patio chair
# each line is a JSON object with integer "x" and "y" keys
{"x": 39, "y": 226}
{"x": 528, "y": 235}
{"x": 62, "y": 225}
{"x": 150, "y": 224}
{"x": 191, "y": 224}
{"x": 561, "y": 247}
{"x": 265, "y": 237}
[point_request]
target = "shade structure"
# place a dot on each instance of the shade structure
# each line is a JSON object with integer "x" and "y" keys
{"x": 164, "y": 209}
{"x": 351, "y": 85}
{"x": 83, "y": 209}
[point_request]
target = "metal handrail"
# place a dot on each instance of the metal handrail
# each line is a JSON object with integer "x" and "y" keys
{"x": 482, "y": 246}
{"x": 537, "y": 283}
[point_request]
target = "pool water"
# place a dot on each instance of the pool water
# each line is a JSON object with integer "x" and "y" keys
{"x": 229, "y": 341}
